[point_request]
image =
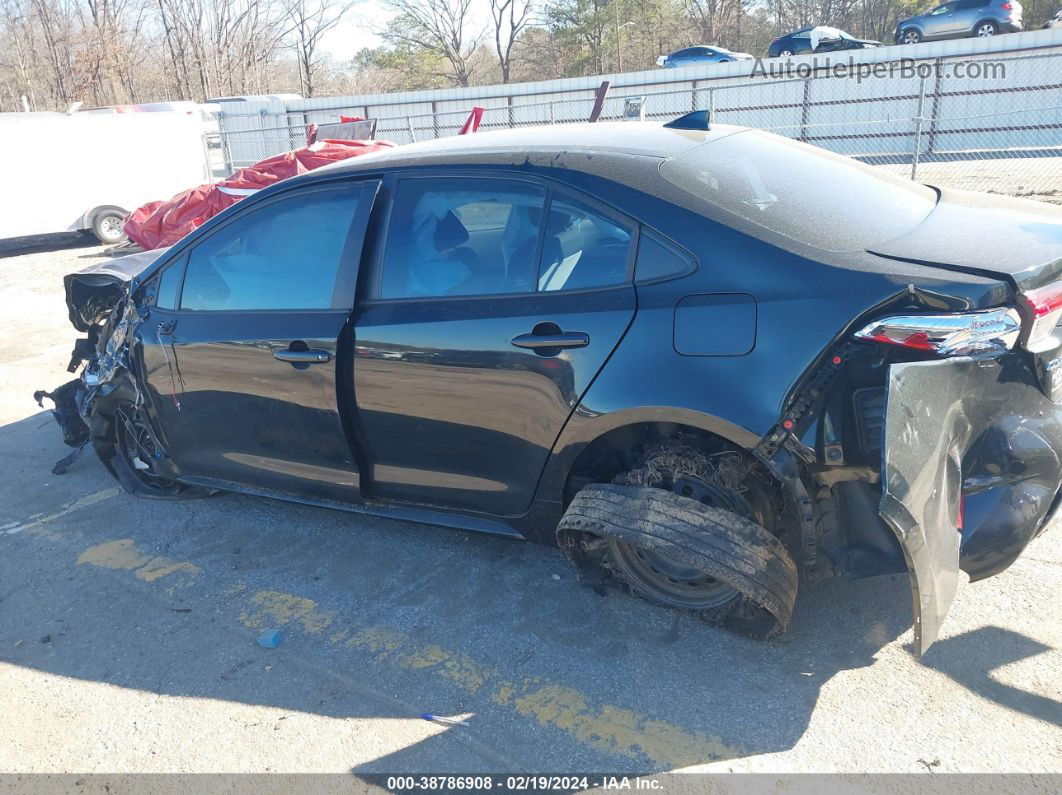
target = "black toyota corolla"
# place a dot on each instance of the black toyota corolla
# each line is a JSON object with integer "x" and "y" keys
{"x": 662, "y": 348}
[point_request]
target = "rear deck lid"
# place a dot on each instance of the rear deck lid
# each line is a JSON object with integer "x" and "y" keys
{"x": 996, "y": 236}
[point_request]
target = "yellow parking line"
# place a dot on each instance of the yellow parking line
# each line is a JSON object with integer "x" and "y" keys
{"x": 605, "y": 727}
{"x": 38, "y": 523}
{"x": 123, "y": 555}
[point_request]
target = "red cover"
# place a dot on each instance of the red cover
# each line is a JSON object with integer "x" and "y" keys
{"x": 159, "y": 224}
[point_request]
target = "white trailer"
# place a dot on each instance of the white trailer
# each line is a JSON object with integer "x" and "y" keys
{"x": 85, "y": 171}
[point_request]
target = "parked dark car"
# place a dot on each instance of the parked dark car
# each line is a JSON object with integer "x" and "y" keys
{"x": 702, "y": 53}
{"x": 961, "y": 18}
{"x": 661, "y": 348}
{"x": 815, "y": 40}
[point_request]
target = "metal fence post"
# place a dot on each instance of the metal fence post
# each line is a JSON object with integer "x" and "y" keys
{"x": 919, "y": 118}
{"x": 936, "y": 107}
{"x": 409, "y": 125}
{"x": 804, "y": 110}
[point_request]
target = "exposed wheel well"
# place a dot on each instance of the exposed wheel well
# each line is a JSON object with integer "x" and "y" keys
{"x": 620, "y": 450}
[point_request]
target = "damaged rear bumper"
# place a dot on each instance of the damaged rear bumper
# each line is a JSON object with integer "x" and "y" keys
{"x": 972, "y": 464}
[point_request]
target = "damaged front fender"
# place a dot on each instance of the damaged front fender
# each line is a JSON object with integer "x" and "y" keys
{"x": 941, "y": 416}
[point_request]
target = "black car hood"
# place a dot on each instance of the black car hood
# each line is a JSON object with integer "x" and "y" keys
{"x": 93, "y": 292}
{"x": 995, "y": 236}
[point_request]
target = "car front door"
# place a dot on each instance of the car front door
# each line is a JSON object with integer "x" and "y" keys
{"x": 940, "y": 21}
{"x": 241, "y": 361}
{"x": 495, "y": 303}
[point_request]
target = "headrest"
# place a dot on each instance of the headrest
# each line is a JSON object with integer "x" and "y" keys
{"x": 450, "y": 233}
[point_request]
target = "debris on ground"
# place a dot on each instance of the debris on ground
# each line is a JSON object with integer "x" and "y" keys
{"x": 269, "y": 639}
{"x": 443, "y": 720}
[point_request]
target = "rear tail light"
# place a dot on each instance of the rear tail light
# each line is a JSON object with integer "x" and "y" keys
{"x": 970, "y": 334}
{"x": 1007, "y": 6}
{"x": 1045, "y": 307}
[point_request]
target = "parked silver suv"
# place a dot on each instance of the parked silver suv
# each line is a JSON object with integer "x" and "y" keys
{"x": 960, "y": 18}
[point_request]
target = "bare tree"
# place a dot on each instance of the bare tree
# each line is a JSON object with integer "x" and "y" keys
{"x": 510, "y": 17}
{"x": 437, "y": 26}
{"x": 310, "y": 20}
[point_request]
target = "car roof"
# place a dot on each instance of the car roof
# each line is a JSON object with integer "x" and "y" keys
{"x": 607, "y": 142}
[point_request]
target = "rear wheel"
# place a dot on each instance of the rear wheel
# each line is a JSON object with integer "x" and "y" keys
{"x": 986, "y": 29}
{"x": 678, "y": 531}
{"x": 108, "y": 226}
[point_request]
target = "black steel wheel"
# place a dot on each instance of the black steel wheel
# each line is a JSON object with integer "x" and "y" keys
{"x": 666, "y": 580}
{"x": 137, "y": 456}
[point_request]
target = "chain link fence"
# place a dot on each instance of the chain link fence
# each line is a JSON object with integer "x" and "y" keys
{"x": 980, "y": 123}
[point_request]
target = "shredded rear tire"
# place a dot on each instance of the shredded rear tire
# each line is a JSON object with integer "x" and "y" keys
{"x": 723, "y": 545}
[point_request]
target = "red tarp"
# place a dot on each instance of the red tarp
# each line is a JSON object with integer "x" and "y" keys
{"x": 161, "y": 224}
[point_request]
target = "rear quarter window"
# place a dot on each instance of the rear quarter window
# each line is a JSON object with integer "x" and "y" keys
{"x": 801, "y": 192}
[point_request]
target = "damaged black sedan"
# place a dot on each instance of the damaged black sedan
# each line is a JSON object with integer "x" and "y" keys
{"x": 661, "y": 348}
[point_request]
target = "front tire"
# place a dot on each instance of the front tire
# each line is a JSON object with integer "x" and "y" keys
{"x": 910, "y": 36}
{"x": 136, "y": 456}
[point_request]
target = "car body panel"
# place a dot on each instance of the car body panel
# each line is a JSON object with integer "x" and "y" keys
{"x": 1017, "y": 239}
{"x": 229, "y": 411}
{"x": 941, "y": 419}
{"x": 456, "y": 416}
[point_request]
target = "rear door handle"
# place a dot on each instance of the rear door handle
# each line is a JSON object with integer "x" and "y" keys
{"x": 562, "y": 339}
{"x": 307, "y": 356}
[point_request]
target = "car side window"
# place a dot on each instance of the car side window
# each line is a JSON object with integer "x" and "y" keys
{"x": 658, "y": 259}
{"x": 582, "y": 248}
{"x": 283, "y": 255}
{"x": 169, "y": 285}
{"x": 944, "y": 9}
{"x": 464, "y": 236}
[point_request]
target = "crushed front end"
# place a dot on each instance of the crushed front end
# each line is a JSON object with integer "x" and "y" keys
{"x": 100, "y": 304}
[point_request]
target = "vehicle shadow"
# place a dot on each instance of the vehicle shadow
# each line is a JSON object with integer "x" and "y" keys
{"x": 383, "y": 619}
{"x": 35, "y": 244}
{"x": 992, "y": 648}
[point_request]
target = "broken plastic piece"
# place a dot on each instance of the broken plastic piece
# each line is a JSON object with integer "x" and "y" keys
{"x": 269, "y": 639}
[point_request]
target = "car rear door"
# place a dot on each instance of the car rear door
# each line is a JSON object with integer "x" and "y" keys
{"x": 967, "y": 14}
{"x": 496, "y": 300}
{"x": 241, "y": 352}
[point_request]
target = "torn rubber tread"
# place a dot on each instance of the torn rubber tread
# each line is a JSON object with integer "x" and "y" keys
{"x": 722, "y": 544}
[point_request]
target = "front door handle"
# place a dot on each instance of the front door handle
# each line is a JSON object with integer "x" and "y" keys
{"x": 304, "y": 356}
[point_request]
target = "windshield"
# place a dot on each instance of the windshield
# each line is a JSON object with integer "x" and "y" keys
{"x": 815, "y": 197}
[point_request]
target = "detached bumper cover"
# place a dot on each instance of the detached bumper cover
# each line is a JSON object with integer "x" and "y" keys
{"x": 965, "y": 426}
